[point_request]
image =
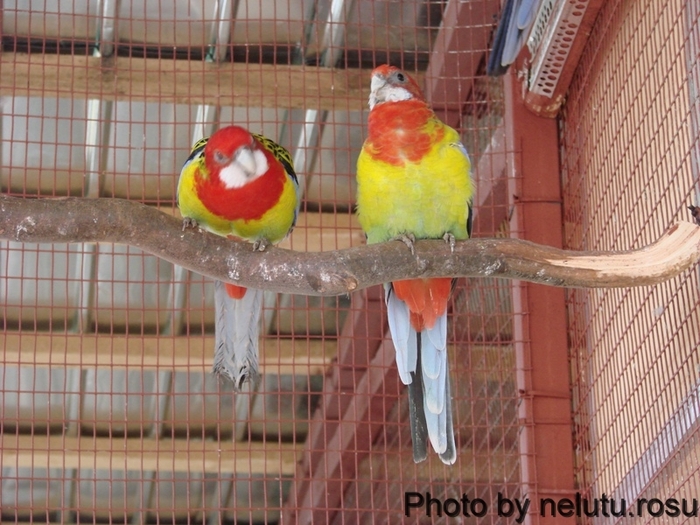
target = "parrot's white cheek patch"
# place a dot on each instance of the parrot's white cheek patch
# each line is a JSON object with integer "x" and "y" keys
{"x": 235, "y": 175}
{"x": 388, "y": 93}
{"x": 260, "y": 163}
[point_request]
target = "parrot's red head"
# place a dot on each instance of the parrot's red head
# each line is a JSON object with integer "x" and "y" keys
{"x": 390, "y": 84}
{"x": 234, "y": 156}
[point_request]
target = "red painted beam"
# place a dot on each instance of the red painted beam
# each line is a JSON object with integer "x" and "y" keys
{"x": 460, "y": 46}
{"x": 359, "y": 394}
{"x": 540, "y": 336}
{"x": 363, "y": 421}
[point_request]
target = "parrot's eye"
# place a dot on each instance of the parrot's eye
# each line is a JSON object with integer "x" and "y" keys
{"x": 400, "y": 77}
{"x": 220, "y": 158}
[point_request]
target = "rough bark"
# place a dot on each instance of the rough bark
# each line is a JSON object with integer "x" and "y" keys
{"x": 70, "y": 220}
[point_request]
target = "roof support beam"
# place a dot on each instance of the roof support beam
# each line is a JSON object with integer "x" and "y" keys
{"x": 277, "y": 356}
{"x": 135, "y": 454}
{"x": 184, "y": 82}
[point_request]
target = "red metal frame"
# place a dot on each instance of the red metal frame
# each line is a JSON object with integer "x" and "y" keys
{"x": 540, "y": 337}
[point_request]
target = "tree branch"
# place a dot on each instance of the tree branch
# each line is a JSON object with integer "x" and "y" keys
{"x": 71, "y": 220}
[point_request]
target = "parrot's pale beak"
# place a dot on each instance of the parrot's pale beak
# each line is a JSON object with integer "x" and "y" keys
{"x": 383, "y": 89}
{"x": 245, "y": 158}
{"x": 247, "y": 165}
{"x": 377, "y": 83}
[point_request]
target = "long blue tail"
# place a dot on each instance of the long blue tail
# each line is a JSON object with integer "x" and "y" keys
{"x": 237, "y": 325}
{"x": 423, "y": 366}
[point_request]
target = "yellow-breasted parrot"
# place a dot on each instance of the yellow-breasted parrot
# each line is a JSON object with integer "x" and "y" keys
{"x": 414, "y": 182}
{"x": 239, "y": 185}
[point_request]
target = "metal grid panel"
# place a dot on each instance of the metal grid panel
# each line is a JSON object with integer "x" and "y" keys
{"x": 109, "y": 411}
{"x": 627, "y": 152}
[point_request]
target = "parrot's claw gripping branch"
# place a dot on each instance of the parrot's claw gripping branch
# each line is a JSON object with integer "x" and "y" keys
{"x": 409, "y": 240}
{"x": 261, "y": 245}
{"x": 449, "y": 238}
{"x": 189, "y": 222}
{"x": 77, "y": 220}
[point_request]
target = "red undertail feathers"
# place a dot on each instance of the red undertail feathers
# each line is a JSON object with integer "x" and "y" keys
{"x": 234, "y": 291}
{"x": 426, "y": 299}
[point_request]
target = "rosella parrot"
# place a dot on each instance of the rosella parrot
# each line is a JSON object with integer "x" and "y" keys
{"x": 414, "y": 182}
{"x": 239, "y": 185}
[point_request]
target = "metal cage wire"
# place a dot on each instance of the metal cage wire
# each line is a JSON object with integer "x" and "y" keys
{"x": 630, "y": 142}
{"x": 109, "y": 411}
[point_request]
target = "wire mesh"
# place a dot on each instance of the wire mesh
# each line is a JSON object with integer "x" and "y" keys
{"x": 109, "y": 410}
{"x": 629, "y": 160}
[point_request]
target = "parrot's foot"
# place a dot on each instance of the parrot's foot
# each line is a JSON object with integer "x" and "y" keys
{"x": 261, "y": 245}
{"x": 408, "y": 239}
{"x": 188, "y": 222}
{"x": 450, "y": 239}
